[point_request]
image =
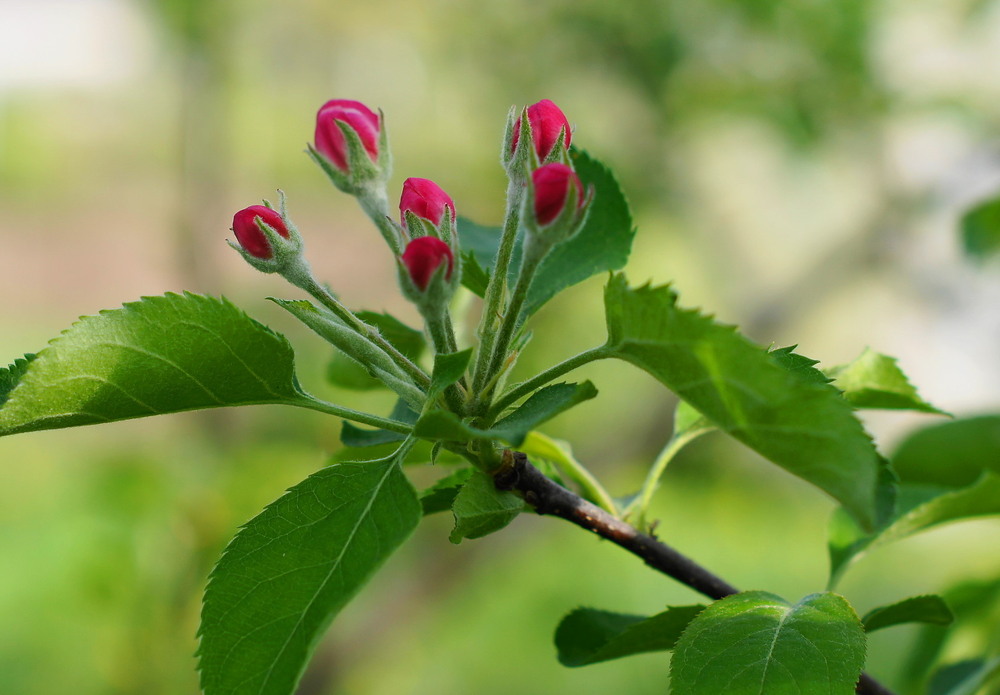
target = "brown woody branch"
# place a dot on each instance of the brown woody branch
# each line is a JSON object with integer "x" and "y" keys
{"x": 548, "y": 497}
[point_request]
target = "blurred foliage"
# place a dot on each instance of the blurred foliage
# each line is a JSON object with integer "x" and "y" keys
{"x": 768, "y": 150}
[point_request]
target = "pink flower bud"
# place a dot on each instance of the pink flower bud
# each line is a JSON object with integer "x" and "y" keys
{"x": 546, "y": 120}
{"x": 248, "y": 233}
{"x": 552, "y": 182}
{"x": 423, "y": 256}
{"x": 330, "y": 140}
{"x": 426, "y": 200}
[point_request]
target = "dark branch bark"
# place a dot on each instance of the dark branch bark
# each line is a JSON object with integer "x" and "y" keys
{"x": 548, "y": 497}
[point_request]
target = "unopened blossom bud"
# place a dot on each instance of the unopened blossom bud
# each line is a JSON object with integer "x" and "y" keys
{"x": 554, "y": 184}
{"x": 329, "y": 139}
{"x": 423, "y": 256}
{"x": 547, "y": 123}
{"x": 425, "y": 199}
{"x": 249, "y": 234}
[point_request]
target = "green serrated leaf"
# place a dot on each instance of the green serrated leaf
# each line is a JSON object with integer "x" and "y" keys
{"x": 10, "y": 376}
{"x": 602, "y": 245}
{"x": 440, "y": 496}
{"x": 804, "y": 426}
{"x": 542, "y": 406}
{"x": 588, "y": 636}
{"x": 875, "y": 380}
{"x": 787, "y": 358}
{"x": 755, "y": 642}
{"x": 293, "y": 567}
{"x": 480, "y": 509}
{"x": 158, "y": 355}
{"x": 930, "y": 609}
{"x": 921, "y": 507}
{"x": 981, "y": 229}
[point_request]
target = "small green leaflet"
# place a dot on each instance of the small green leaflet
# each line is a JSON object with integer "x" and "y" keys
{"x": 448, "y": 368}
{"x": 928, "y": 609}
{"x": 755, "y": 642}
{"x": 158, "y": 355}
{"x": 543, "y": 405}
{"x": 293, "y": 567}
{"x": 588, "y": 636}
{"x": 440, "y": 496}
{"x": 875, "y": 380}
{"x": 603, "y": 244}
{"x": 804, "y": 426}
{"x": 981, "y": 229}
{"x": 480, "y": 509}
{"x": 950, "y": 454}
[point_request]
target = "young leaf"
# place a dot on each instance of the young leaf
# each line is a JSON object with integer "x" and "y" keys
{"x": 158, "y": 355}
{"x": 440, "y": 496}
{"x": 543, "y": 405}
{"x": 981, "y": 229}
{"x": 448, "y": 368}
{"x": 475, "y": 278}
{"x": 948, "y": 472}
{"x": 378, "y": 364}
{"x": 875, "y": 380}
{"x": 803, "y": 426}
{"x": 928, "y": 609}
{"x": 480, "y": 509}
{"x": 754, "y": 642}
{"x": 293, "y": 567}
{"x": 921, "y": 508}
{"x": 346, "y": 372}
{"x": 588, "y": 636}
{"x": 603, "y": 244}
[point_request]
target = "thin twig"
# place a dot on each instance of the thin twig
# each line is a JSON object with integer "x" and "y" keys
{"x": 548, "y": 497}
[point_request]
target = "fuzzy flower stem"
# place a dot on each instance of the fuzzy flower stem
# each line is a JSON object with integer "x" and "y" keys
{"x": 324, "y": 296}
{"x": 497, "y": 288}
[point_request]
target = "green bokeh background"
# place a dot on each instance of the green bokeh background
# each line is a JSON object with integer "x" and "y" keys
{"x": 795, "y": 167}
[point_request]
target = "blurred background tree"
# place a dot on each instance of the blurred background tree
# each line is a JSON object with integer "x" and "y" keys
{"x": 795, "y": 167}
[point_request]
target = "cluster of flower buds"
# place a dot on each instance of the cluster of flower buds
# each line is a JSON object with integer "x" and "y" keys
{"x": 427, "y": 264}
{"x": 536, "y": 155}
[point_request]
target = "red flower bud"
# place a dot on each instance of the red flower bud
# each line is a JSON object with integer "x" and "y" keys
{"x": 551, "y": 183}
{"x": 423, "y": 256}
{"x": 248, "y": 233}
{"x": 546, "y": 120}
{"x": 426, "y": 200}
{"x": 330, "y": 140}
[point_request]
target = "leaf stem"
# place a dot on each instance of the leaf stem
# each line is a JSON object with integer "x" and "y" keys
{"x": 340, "y": 411}
{"x": 637, "y": 509}
{"x": 524, "y": 388}
{"x": 443, "y": 338}
{"x": 562, "y": 457}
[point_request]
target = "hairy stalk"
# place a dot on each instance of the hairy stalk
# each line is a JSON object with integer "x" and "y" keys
{"x": 443, "y": 338}
{"x": 519, "y": 391}
{"x": 324, "y": 296}
{"x": 496, "y": 290}
{"x": 376, "y": 206}
{"x": 548, "y": 497}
